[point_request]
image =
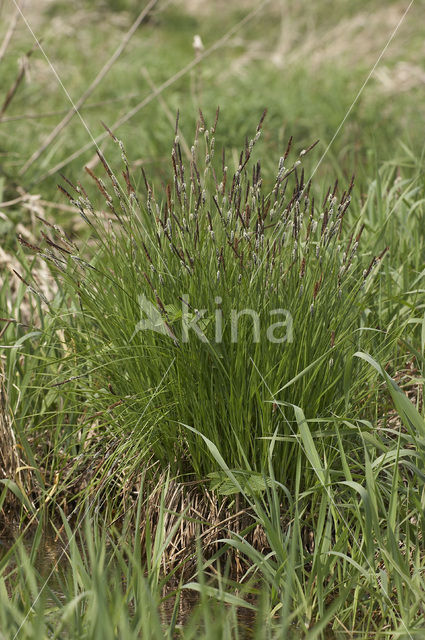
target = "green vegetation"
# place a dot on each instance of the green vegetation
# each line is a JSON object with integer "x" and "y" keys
{"x": 218, "y": 476}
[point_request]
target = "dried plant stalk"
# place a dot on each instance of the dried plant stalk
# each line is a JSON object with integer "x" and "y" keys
{"x": 9, "y": 456}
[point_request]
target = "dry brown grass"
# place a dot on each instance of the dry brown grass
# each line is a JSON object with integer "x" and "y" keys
{"x": 9, "y": 456}
{"x": 12, "y": 464}
{"x": 350, "y": 42}
{"x": 359, "y": 38}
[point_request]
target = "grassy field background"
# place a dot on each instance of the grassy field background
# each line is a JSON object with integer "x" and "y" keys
{"x": 305, "y": 64}
{"x": 285, "y": 489}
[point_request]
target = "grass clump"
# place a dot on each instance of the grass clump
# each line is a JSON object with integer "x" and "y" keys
{"x": 335, "y": 559}
{"x": 195, "y": 306}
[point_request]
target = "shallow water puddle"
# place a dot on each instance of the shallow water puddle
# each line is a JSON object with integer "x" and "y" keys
{"x": 51, "y": 562}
